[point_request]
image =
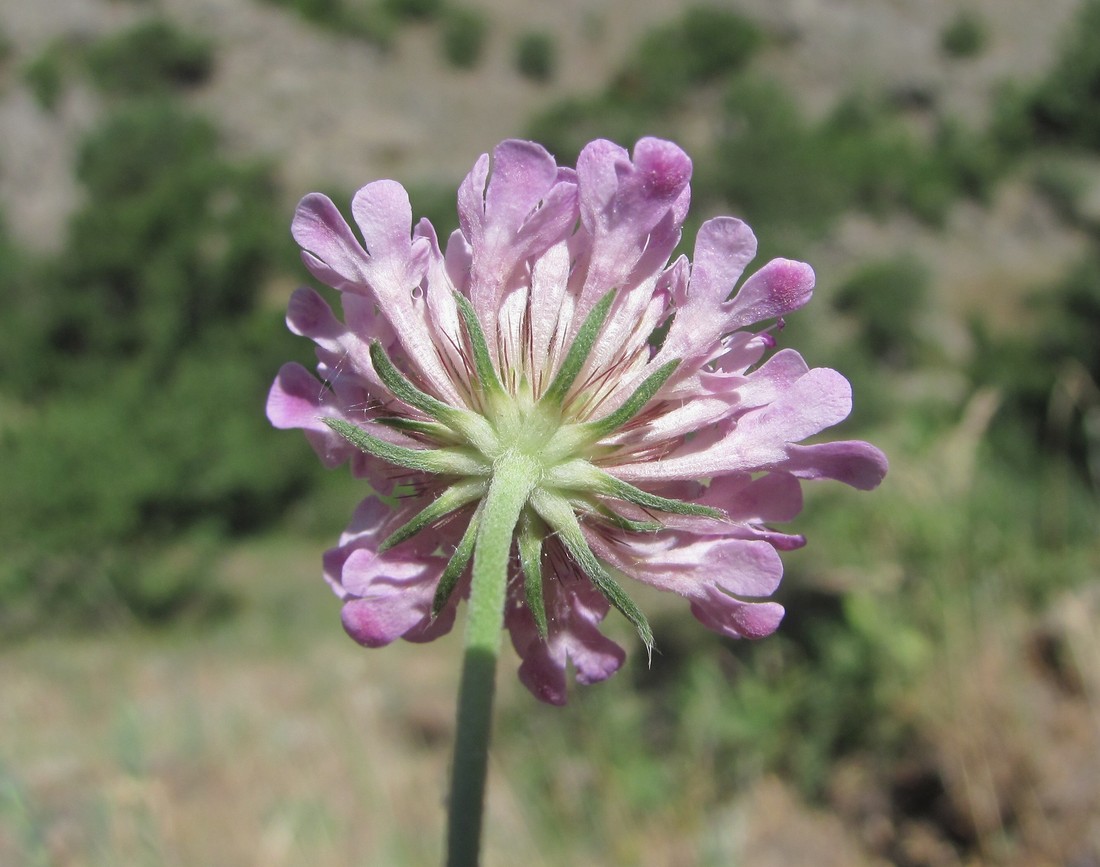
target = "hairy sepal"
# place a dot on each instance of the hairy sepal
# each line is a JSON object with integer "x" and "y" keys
{"x": 580, "y": 475}
{"x": 529, "y": 542}
{"x": 483, "y": 361}
{"x": 455, "y": 497}
{"x": 470, "y": 426}
{"x": 558, "y": 513}
{"x": 579, "y": 351}
{"x": 570, "y": 438}
{"x": 456, "y": 565}
{"x": 449, "y": 461}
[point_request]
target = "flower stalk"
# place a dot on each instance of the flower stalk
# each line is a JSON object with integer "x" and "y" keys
{"x": 514, "y": 476}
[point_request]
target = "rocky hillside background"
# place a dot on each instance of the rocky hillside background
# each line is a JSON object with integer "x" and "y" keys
{"x": 176, "y": 686}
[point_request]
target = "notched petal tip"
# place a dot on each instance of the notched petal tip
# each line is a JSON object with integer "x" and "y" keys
{"x": 330, "y": 247}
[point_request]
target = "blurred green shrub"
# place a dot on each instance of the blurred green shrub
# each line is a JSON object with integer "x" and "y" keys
{"x": 174, "y": 240}
{"x": 885, "y": 298}
{"x": 704, "y": 44}
{"x": 7, "y": 47}
{"x": 860, "y": 156}
{"x": 1065, "y": 106}
{"x": 884, "y": 303}
{"x": 536, "y": 56}
{"x": 361, "y": 19}
{"x": 438, "y": 203}
{"x": 463, "y": 36}
{"x": 136, "y": 383}
{"x": 1064, "y": 187}
{"x": 414, "y": 10}
{"x": 1050, "y": 375}
{"x": 766, "y": 160}
{"x": 964, "y": 35}
{"x": 45, "y": 73}
{"x": 568, "y": 124}
{"x": 154, "y": 56}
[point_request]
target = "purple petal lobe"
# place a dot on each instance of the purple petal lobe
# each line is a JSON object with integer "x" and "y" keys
{"x": 852, "y": 462}
{"x": 319, "y": 229}
{"x": 778, "y": 288}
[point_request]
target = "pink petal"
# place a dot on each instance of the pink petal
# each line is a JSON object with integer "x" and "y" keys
{"x": 384, "y": 216}
{"x": 523, "y": 172}
{"x": 760, "y": 439}
{"x": 683, "y": 563}
{"x": 549, "y": 280}
{"x": 388, "y": 595}
{"x": 574, "y": 610}
{"x": 736, "y": 619}
{"x": 775, "y": 378}
{"x": 620, "y": 205}
{"x": 852, "y": 462}
{"x": 309, "y": 315}
{"x": 513, "y": 213}
{"x": 772, "y": 497}
{"x": 723, "y": 247}
{"x": 297, "y": 400}
{"x": 337, "y": 256}
{"x": 817, "y": 400}
{"x": 780, "y": 287}
{"x": 458, "y": 260}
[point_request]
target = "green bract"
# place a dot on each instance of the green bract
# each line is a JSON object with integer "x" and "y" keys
{"x": 533, "y": 453}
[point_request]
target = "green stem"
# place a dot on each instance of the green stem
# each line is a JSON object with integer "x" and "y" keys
{"x": 514, "y": 476}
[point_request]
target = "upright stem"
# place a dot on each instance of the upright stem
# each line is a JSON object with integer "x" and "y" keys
{"x": 514, "y": 476}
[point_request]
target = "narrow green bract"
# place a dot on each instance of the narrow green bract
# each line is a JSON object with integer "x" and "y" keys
{"x": 531, "y": 453}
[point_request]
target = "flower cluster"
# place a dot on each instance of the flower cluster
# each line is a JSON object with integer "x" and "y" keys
{"x": 551, "y": 358}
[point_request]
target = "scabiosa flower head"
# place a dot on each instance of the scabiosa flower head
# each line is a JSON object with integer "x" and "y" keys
{"x": 551, "y": 356}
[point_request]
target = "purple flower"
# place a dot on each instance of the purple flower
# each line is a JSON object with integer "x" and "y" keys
{"x": 551, "y": 334}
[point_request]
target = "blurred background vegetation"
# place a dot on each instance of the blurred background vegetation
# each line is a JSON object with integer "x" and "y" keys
{"x": 177, "y": 690}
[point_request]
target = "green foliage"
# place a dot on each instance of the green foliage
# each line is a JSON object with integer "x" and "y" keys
{"x": 567, "y": 125}
{"x": 173, "y": 240}
{"x": 1011, "y": 124}
{"x": 705, "y": 44}
{"x": 885, "y": 298}
{"x": 1065, "y": 107}
{"x": 846, "y": 677}
{"x": 463, "y": 36}
{"x": 1061, "y": 183}
{"x": 415, "y": 10}
{"x": 1050, "y": 376}
{"x": 964, "y": 36}
{"x": 368, "y": 20}
{"x": 45, "y": 74}
{"x": 536, "y": 56}
{"x": 137, "y": 382}
{"x": 861, "y": 156}
{"x": 150, "y": 58}
{"x": 884, "y": 303}
{"x": 825, "y": 687}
